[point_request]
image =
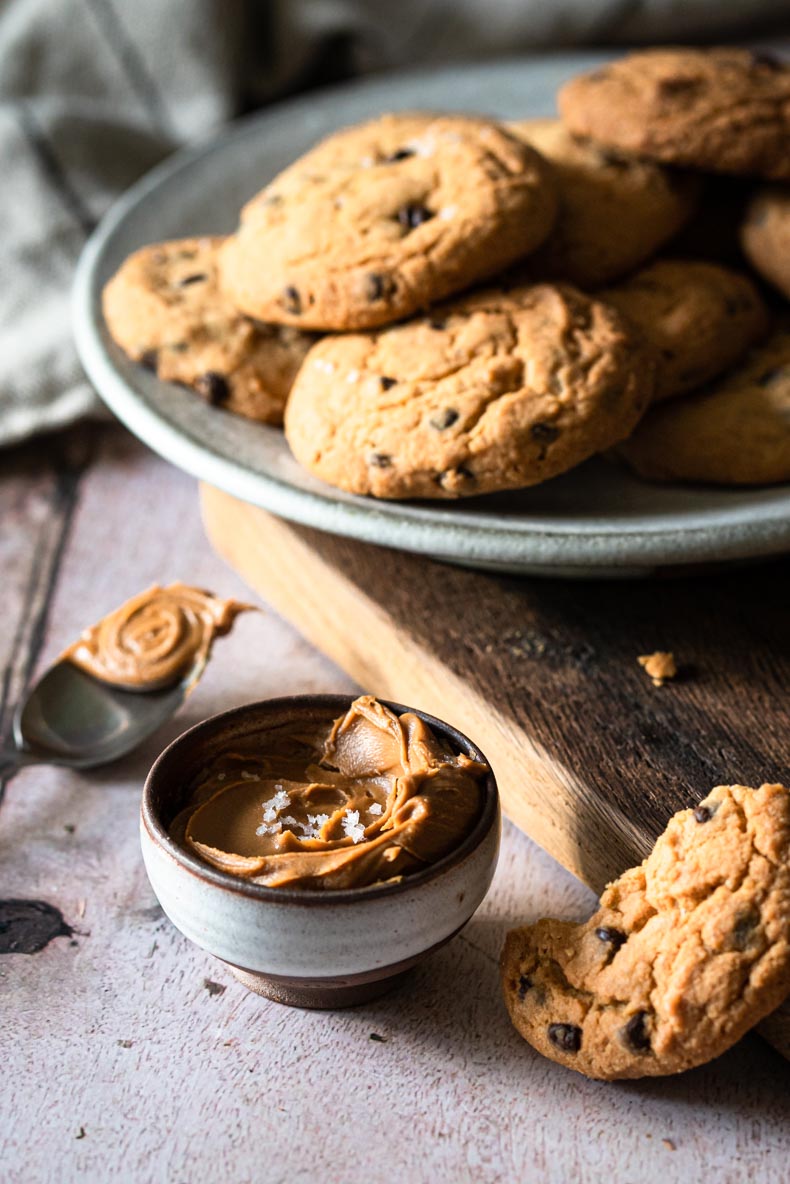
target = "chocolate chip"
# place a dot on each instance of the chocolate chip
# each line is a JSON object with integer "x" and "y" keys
{"x": 443, "y": 419}
{"x": 566, "y": 1037}
{"x": 411, "y": 216}
{"x": 678, "y": 85}
{"x": 399, "y": 154}
{"x": 544, "y": 433}
{"x": 744, "y": 927}
{"x": 197, "y": 278}
{"x": 770, "y": 376}
{"x": 704, "y": 813}
{"x": 149, "y": 359}
{"x": 291, "y": 300}
{"x": 378, "y": 287}
{"x": 635, "y": 1032}
{"x": 386, "y": 383}
{"x": 613, "y": 937}
{"x": 768, "y": 61}
{"x": 613, "y": 159}
{"x": 380, "y": 460}
{"x": 213, "y": 387}
{"x": 524, "y": 984}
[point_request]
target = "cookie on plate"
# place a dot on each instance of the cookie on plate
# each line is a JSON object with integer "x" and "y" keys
{"x": 765, "y": 235}
{"x": 495, "y": 391}
{"x": 684, "y": 955}
{"x": 723, "y": 110}
{"x": 735, "y": 431}
{"x": 699, "y": 318}
{"x": 381, "y": 220}
{"x": 165, "y": 309}
{"x": 615, "y": 211}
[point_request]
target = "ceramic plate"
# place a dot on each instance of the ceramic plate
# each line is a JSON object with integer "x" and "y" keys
{"x": 596, "y": 520}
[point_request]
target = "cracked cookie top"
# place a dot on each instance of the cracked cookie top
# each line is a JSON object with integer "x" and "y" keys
{"x": 383, "y": 219}
{"x": 165, "y": 309}
{"x": 723, "y": 110}
{"x": 684, "y": 954}
{"x": 496, "y": 391}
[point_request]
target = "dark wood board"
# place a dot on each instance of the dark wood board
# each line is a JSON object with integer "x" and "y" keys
{"x": 591, "y": 757}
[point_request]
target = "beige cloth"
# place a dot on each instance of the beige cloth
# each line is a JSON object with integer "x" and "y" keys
{"x": 95, "y": 92}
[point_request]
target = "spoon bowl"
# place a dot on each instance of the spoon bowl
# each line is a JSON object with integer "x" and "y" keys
{"x": 71, "y": 718}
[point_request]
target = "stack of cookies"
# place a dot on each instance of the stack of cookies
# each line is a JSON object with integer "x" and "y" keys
{"x": 441, "y": 306}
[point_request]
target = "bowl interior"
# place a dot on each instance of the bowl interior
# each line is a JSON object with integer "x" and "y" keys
{"x": 170, "y": 781}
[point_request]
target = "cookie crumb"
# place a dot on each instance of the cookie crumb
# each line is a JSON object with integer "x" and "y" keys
{"x": 379, "y": 1039}
{"x": 660, "y": 666}
{"x": 670, "y": 1146}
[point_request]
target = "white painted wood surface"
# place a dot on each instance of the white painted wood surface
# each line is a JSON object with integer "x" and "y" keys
{"x": 130, "y": 1055}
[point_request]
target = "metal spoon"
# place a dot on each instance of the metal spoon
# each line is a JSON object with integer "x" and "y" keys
{"x": 70, "y": 718}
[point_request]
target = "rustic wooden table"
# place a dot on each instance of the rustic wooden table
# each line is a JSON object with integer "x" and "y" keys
{"x": 131, "y": 1055}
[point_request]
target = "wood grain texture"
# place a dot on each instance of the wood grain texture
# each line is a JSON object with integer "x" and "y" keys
{"x": 592, "y": 759}
{"x": 131, "y": 1055}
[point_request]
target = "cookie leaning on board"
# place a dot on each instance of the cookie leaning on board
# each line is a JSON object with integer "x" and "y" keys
{"x": 496, "y": 390}
{"x": 684, "y": 955}
{"x": 380, "y": 220}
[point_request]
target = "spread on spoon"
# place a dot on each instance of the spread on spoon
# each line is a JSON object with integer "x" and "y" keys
{"x": 359, "y": 800}
{"x": 155, "y": 638}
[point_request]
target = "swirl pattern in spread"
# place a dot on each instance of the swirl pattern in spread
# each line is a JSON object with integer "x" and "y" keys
{"x": 155, "y": 638}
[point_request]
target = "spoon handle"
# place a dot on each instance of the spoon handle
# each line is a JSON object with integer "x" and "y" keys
{"x": 12, "y": 760}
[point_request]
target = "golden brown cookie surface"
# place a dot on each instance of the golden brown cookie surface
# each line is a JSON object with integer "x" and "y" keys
{"x": 496, "y": 391}
{"x": 735, "y": 431}
{"x": 700, "y": 319}
{"x": 722, "y": 110}
{"x": 684, "y": 954}
{"x": 615, "y": 211}
{"x": 765, "y": 235}
{"x": 381, "y": 220}
{"x": 165, "y": 309}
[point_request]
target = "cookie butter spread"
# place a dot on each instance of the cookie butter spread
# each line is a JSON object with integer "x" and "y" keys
{"x": 155, "y": 638}
{"x": 366, "y": 798}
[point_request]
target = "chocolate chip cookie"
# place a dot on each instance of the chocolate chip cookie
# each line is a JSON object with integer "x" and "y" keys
{"x": 165, "y": 309}
{"x": 683, "y": 956}
{"x": 381, "y": 220}
{"x": 722, "y": 110}
{"x": 495, "y": 391}
{"x": 699, "y": 318}
{"x": 615, "y": 211}
{"x": 735, "y": 431}
{"x": 765, "y": 235}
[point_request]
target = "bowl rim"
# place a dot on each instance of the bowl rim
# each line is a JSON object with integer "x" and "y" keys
{"x": 215, "y": 724}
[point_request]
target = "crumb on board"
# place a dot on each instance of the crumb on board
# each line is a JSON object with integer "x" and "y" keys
{"x": 670, "y": 1146}
{"x": 660, "y": 666}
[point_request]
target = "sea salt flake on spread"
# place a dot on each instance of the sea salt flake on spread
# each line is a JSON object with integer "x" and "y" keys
{"x": 375, "y": 808}
{"x": 352, "y": 827}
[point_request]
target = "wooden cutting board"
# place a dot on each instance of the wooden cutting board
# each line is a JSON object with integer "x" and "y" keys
{"x": 591, "y": 758}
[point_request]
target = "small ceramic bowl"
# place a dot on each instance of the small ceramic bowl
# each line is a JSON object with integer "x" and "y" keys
{"x": 330, "y": 948}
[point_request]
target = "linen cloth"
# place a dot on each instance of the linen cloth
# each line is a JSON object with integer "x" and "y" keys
{"x": 94, "y": 92}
